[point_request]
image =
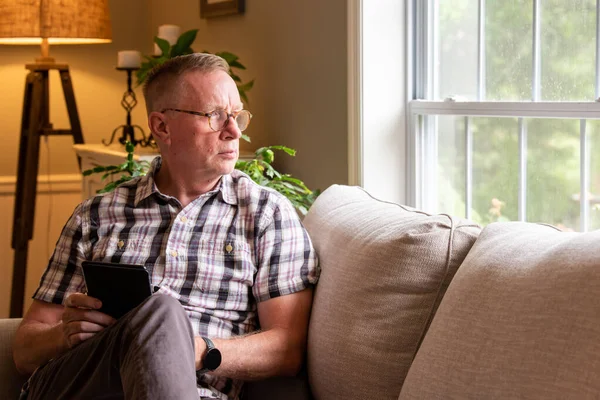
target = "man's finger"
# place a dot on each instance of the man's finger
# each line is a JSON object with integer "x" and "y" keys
{"x": 83, "y": 301}
{"x": 77, "y": 338}
{"x": 74, "y": 327}
{"x": 81, "y": 314}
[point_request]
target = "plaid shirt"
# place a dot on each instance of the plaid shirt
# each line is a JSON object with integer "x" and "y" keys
{"x": 221, "y": 254}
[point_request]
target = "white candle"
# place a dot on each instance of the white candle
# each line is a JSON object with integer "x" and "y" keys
{"x": 129, "y": 59}
{"x": 168, "y": 32}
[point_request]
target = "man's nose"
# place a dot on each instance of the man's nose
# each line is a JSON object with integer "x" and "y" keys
{"x": 231, "y": 129}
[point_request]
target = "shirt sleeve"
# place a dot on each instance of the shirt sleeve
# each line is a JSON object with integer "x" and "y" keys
{"x": 63, "y": 274}
{"x": 287, "y": 261}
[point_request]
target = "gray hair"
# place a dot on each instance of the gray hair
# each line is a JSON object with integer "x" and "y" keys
{"x": 165, "y": 78}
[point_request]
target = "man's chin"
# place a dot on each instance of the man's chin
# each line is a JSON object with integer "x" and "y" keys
{"x": 227, "y": 168}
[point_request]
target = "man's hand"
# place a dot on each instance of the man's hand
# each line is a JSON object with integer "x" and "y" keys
{"x": 81, "y": 321}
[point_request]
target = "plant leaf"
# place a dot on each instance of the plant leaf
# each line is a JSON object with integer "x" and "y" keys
{"x": 246, "y": 86}
{"x": 244, "y": 97}
{"x": 164, "y": 45}
{"x": 227, "y": 56}
{"x": 236, "y": 64}
{"x": 289, "y": 151}
{"x": 184, "y": 43}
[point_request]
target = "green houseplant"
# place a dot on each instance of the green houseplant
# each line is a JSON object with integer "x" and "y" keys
{"x": 259, "y": 168}
{"x": 183, "y": 47}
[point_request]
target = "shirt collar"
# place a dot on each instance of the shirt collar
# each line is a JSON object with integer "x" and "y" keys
{"x": 147, "y": 186}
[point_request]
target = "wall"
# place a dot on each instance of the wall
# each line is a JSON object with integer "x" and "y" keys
{"x": 296, "y": 51}
{"x": 384, "y": 98}
{"x": 98, "y": 89}
{"x": 54, "y": 204}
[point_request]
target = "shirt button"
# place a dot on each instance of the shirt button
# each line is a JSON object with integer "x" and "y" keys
{"x": 183, "y": 219}
{"x": 174, "y": 253}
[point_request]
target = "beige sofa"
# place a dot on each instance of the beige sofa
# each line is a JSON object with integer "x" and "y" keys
{"x": 418, "y": 306}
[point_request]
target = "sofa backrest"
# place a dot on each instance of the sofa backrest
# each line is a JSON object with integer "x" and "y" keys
{"x": 521, "y": 319}
{"x": 384, "y": 271}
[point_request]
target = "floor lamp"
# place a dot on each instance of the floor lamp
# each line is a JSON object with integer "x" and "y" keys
{"x": 43, "y": 22}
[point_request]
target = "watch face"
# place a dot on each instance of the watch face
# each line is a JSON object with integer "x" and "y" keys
{"x": 212, "y": 360}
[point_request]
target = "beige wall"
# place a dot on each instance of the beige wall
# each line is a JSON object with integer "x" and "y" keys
{"x": 54, "y": 204}
{"x": 296, "y": 51}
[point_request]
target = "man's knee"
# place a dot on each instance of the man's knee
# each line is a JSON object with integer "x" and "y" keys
{"x": 162, "y": 302}
{"x": 162, "y": 305}
{"x": 159, "y": 317}
{"x": 158, "y": 309}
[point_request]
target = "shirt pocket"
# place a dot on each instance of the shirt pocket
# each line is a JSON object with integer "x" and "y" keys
{"x": 224, "y": 270}
{"x": 131, "y": 250}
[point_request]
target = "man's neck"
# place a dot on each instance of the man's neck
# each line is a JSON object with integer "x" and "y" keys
{"x": 185, "y": 186}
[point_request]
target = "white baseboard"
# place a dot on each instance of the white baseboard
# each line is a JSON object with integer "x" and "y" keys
{"x": 55, "y": 183}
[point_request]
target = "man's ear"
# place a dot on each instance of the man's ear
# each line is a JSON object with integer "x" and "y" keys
{"x": 158, "y": 126}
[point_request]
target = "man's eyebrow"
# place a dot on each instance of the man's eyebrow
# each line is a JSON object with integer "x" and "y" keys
{"x": 212, "y": 107}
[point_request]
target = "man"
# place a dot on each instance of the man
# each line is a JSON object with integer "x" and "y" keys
{"x": 225, "y": 256}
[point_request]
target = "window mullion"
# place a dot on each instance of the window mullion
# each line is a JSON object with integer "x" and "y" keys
{"x": 432, "y": 171}
{"x": 522, "y": 204}
{"x": 584, "y": 176}
{"x": 468, "y": 168}
{"x": 537, "y": 54}
{"x": 553, "y": 109}
{"x": 433, "y": 30}
{"x": 597, "y": 93}
{"x": 421, "y": 50}
{"x": 481, "y": 89}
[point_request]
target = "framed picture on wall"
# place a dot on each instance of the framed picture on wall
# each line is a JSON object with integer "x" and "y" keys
{"x": 216, "y": 8}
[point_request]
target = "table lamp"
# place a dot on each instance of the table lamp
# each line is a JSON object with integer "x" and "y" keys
{"x": 43, "y": 22}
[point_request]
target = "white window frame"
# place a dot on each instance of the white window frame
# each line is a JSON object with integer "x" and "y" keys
{"x": 421, "y": 137}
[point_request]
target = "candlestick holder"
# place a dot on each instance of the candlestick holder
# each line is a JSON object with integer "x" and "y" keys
{"x": 128, "y": 102}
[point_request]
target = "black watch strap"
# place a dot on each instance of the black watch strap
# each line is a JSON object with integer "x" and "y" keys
{"x": 212, "y": 357}
{"x": 209, "y": 344}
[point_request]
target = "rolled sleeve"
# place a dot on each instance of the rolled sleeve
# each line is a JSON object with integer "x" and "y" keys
{"x": 287, "y": 260}
{"x": 63, "y": 274}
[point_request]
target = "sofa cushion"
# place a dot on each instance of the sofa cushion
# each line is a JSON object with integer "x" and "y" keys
{"x": 521, "y": 319}
{"x": 10, "y": 380}
{"x": 384, "y": 270}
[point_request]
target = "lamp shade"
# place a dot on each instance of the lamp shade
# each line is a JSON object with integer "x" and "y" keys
{"x": 59, "y": 21}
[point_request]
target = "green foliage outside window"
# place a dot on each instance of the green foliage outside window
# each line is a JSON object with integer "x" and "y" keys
{"x": 553, "y": 160}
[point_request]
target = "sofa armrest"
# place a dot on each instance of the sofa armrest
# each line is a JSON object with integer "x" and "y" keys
{"x": 10, "y": 380}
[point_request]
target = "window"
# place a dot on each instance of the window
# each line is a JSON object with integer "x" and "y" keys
{"x": 504, "y": 122}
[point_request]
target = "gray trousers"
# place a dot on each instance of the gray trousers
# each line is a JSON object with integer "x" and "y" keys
{"x": 147, "y": 354}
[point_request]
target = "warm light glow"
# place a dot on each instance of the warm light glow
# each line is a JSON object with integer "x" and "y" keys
{"x": 61, "y": 21}
{"x": 38, "y": 41}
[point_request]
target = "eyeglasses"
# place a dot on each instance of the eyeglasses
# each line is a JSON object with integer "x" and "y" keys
{"x": 218, "y": 119}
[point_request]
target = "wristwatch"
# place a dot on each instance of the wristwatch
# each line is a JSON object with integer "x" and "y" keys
{"x": 212, "y": 358}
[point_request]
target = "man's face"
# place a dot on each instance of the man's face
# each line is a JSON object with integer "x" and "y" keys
{"x": 193, "y": 143}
